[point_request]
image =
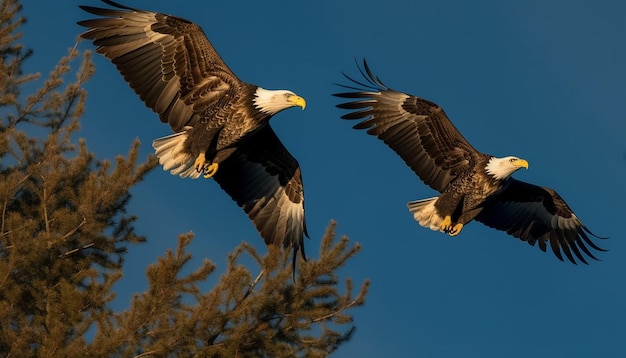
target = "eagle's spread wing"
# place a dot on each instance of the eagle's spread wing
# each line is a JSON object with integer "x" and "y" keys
{"x": 415, "y": 128}
{"x": 539, "y": 215}
{"x": 265, "y": 180}
{"x": 168, "y": 61}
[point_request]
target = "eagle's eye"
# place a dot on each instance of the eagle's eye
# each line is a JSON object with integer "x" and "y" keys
{"x": 512, "y": 160}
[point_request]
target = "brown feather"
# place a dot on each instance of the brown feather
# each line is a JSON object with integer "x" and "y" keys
{"x": 416, "y": 129}
{"x": 173, "y": 67}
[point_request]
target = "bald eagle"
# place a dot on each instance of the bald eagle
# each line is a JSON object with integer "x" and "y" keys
{"x": 472, "y": 185}
{"x": 220, "y": 123}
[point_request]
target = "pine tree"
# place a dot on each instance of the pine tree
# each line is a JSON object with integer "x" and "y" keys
{"x": 64, "y": 232}
{"x": 63, "y": 226}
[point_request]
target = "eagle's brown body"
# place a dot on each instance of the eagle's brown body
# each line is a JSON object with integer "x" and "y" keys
{"x": 461, "y": 204}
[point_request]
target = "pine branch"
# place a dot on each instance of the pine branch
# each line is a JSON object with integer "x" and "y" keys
{"x": 357, "y": 301}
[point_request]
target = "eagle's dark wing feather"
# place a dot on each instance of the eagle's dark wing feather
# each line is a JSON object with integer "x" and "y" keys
{"x": 416, "y": 129}
{"x": 265, "y": 180}
{"x": 168, "y": 61}
{"x": 539, "y": 215}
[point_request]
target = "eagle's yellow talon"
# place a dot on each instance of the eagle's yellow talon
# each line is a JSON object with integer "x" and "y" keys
{"x": 446, "y": 224}
{"x": 210, "y": 170}
{"x": 449, "y": 228}
{"x": 199, "y": 163}
{"x": 202, "y": 166}
{"x": 456, "y": 229}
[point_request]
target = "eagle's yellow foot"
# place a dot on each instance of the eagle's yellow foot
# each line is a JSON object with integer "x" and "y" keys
{"x": 210, "y": 170}
{"x": 202, "y": 166}
{"x": 200, "y": 162}
{"x": 446, "y": 224}
{"x": 448, "y": 228}
{"x": 456, "y": 229}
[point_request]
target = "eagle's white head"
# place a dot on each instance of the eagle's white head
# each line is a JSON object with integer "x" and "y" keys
{"x": 502, "y": 168}
{"x": 274, "y": 101}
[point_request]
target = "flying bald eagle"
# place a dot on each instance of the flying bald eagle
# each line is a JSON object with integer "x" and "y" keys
{"x": 220, "y": 123}
{"x": 473, "y": 185}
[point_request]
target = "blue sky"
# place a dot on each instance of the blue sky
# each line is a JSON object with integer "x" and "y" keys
{"x": 542, "y": 80}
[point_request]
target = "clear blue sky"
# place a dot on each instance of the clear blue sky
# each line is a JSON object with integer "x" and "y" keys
{"x": 542, "y": 80}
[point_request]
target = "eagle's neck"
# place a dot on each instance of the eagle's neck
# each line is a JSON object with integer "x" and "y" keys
{"x": 271, "y": 102}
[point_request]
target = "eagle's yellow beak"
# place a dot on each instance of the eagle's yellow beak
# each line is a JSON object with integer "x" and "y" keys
{"x": 521, "y": 163}
{"x": 297, "y": 101}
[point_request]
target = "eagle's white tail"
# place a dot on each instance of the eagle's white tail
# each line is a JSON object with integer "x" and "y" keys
{"x": 171, "y": 154}
{"x": 425, "y": 213}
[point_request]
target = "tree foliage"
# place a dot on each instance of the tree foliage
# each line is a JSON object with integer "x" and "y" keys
{"x": 243, "y": 315}
{"x": 64, "y": 232}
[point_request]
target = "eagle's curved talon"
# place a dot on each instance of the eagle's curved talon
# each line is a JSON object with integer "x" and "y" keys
{"x": 199, "y": 164}
{"x": 449, "y": 228}
{"x": 210, "y": 170}
{"x": 446, "y": 224}
{"x": 456, "y": 229}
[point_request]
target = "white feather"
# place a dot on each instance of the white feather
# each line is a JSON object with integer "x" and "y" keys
{"x": 272, "y": 101}
{"x": 173, "y": 158}
{"x": 501, "y": 168}
{"x": 425, "y": 213}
